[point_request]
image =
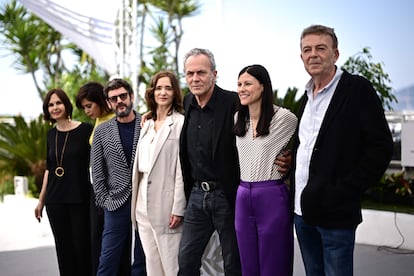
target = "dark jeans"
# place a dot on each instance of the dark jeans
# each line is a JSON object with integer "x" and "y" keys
{"x": 206, "y": 212}
{"x": 325, "y": 252}
{"x": 116, "y": 249}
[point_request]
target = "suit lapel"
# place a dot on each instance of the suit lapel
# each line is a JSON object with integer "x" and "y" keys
{"x": 137, "y": 132}
{"x": 336, "y": 102}
{"x": 116, "y": 138}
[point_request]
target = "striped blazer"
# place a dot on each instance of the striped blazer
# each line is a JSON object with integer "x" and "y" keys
{"x": 111, "y": 173}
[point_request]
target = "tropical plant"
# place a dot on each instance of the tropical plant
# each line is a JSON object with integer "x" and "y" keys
{"x": 393, "y": 189}
{"x": 6, "y": 183}
{"x": 35, "y": 46}
{"x": 176, "y": 11}
{"x": 39, "y": 49}
{"x": 361, "y": 63}
{"x": 163, "y": 19}
{"x": 289, "y": 100}
{"x": 23, "y": 148}
{"x": 395, "y": 183}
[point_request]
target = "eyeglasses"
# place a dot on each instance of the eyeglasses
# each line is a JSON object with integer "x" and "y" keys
{"x": 122, "y": 96}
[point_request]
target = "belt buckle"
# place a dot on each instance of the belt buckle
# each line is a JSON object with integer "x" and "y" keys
{"x": 205, "y": 186}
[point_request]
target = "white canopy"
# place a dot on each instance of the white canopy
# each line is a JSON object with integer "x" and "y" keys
{"x": 90, "y": 24}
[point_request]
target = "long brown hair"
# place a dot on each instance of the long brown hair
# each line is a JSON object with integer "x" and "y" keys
{"x": 177, "y": 103}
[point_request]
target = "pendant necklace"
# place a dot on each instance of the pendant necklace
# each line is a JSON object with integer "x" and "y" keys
{"x": 60, "y": 171}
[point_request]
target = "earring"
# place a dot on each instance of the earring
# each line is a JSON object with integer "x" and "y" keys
{"x": 50, "y": 123}
{"x": 69, "y": 119}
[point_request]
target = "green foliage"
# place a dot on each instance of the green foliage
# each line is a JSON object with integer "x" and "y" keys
{"x": 392, "y": 193}
{"x": 23, "y": 148}
{"x": 167, "y": 30}
{"x": 33, "y": 190}
{"x": 160, "y": 55}
{"x": 369, "y": 203}
{"x": 35, "y": 45}
{"x": 395, "y": 183}
{"x": 38, "y": 48}
{"x": 6, "y": 183}
{"x": 362, "y": 64}
{"x": 77, "y": 77}
{"x": 176, "y": 11}
{"x": 289, "y": 101}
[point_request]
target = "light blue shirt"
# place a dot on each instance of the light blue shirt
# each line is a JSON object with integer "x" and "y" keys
{"x": 309, "y": 127}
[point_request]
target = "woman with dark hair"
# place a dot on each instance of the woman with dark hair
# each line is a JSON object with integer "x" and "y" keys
{"x": 92, "y": 101}
{"x": 158, "y": 199}
{"x": 66, "y": 188}
{"x": 263, "y": 218}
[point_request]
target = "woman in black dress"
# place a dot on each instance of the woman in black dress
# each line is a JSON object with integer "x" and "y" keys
{"x": 66, "y": 186}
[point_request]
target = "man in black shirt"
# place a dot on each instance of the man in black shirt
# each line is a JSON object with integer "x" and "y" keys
{"x": 210, "y": 166}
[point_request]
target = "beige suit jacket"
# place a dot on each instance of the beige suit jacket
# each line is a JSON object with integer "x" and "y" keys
{"x": 165, "y": 192}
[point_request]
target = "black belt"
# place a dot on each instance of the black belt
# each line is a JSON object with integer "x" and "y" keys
{"x": 207, "y": 186}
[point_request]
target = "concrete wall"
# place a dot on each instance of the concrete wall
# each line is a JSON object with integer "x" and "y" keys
{"x": 383, "y": 228}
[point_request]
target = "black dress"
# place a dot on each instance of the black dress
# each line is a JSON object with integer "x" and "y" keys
{"x": 67, "y": 197}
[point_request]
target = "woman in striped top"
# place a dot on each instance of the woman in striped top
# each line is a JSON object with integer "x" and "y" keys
{"x": 263, "y": 218}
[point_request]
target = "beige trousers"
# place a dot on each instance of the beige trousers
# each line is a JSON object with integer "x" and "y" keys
{"x": 160, "y": 248}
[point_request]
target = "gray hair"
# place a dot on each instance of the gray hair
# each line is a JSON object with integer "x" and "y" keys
{"x": 320, "y": 30}
{"x": 200, "y": 51}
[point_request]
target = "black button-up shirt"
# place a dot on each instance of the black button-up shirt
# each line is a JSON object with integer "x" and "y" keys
{"x": 200, "y": 139}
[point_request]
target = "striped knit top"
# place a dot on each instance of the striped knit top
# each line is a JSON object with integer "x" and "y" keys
{"x": 257, "y": 154}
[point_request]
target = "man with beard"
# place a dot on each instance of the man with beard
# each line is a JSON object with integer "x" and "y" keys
{"x": 112, "y": 154}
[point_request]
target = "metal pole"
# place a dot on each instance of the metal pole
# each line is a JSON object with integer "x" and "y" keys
{"x": 134, "y": 50}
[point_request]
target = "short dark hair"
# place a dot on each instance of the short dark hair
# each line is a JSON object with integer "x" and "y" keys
{"x": 94, "y": 92}
{"x": 65, "y": 100}
{"x": 117, "y": 83}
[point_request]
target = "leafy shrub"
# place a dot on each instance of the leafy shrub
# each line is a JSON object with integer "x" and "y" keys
{"x": 394, "y": 188}
{"x": 6, "y": 184}
{"x": 396, "y": 183}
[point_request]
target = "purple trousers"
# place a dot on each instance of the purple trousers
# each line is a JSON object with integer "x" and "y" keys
{"x": 264, "y": 228}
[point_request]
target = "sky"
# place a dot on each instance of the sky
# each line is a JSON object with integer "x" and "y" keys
{"x": 267, "y": 32}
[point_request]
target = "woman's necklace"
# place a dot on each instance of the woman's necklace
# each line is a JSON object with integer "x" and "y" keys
{"x": 254, "y": 126}
{"x": 60, "y": 171}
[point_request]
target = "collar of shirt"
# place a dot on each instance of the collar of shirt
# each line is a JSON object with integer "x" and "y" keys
{"x": 331, "y": 86}
{"x": 211, "y": 104}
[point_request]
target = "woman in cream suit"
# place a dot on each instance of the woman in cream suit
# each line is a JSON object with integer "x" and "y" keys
{"x": 158, "y": 199}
